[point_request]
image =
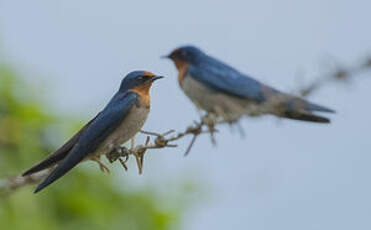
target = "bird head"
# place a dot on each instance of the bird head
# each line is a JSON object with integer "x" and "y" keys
{"x": 187, "y": 54}
{"x": 138, "y": 80}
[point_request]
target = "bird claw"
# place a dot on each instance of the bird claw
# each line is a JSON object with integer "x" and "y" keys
{"x": 117, "y": 154}
{"x": 210, "y": 120}
{"x": 123, "y": 163}
{"x": 102, "y": 167}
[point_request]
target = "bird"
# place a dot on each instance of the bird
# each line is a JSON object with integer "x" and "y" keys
{"x": 118, "y": 122}
{"x": 226, "y": 93}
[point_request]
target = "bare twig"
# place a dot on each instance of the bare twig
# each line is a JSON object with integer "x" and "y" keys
{"x": 339, "y": 74}
{"x": 12, "y": 183}
{"x": 161, "y": 141}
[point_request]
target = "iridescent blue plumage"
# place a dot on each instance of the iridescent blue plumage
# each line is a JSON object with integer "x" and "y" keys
{"x": 219, "y": 88}
{"x": 213, "y": 75}
{"x": 121, "y": 119}
{"x": 103, "y": 125}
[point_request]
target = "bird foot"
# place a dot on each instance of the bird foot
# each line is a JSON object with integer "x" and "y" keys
{"x": 102, "y": 167}
{"x": 117, "y": 154}
{"x": 123, "y": 163}
{"x": 210, "y": 120}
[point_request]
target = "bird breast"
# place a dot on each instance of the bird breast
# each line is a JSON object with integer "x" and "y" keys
{"x": 130, "y": 126}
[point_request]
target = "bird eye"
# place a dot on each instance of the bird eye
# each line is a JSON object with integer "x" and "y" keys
{"x": 144, "y": 78}
{"x": 183, "y": 53}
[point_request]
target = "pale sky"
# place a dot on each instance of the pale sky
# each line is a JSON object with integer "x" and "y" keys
{"x": 282, "y": 175}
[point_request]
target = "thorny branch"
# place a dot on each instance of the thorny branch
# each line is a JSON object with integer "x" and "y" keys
{"x": 207, "y": 125}
{"x": 340, "y": 73}
{"x": 162, "y": 141}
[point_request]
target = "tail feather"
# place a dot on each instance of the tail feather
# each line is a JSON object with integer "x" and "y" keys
{"x": 314, "y": 107}
{"x": 302, "y": 110}
{"x": 47, "y": 163}
{"x": 301, "y": 116}
{"x": 55, "y": 157}
{"x": 66, "y": 165}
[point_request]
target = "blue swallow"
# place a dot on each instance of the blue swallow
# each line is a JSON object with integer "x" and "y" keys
{"x": 119, "y": 121}
{"x": 219, "y": 89}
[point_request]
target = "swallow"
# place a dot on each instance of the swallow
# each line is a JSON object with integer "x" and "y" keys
{"x": 117, "y": 123}
{"x": 220, "y": 89}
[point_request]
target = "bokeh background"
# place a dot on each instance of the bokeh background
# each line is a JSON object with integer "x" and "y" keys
{"x": 61, "y": 61}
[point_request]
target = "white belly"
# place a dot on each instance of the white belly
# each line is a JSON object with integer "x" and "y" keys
{"x": 229, "y": 107}
{"x": 130, "y": 126}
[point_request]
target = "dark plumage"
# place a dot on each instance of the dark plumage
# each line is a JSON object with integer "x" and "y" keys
{"x": 121, "y": 119}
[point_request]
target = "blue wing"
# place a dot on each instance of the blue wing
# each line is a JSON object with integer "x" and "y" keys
{"x": 223, "y": 78}
{"x": 91, "y": 137}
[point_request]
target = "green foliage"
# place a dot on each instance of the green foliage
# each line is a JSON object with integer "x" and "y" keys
{"x": 23, "y": 124}
{"x": 84, "y": 199}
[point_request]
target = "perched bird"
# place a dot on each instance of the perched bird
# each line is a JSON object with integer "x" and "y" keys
{"x": 221, "y": 90}
{"x": 119, "y": 121}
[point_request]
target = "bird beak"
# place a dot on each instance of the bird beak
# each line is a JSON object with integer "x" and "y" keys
{"x": 165, "y": 56}
{"x": 154, "y": 78}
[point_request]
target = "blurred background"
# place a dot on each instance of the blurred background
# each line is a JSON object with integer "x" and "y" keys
{"x": 61, "y": 61}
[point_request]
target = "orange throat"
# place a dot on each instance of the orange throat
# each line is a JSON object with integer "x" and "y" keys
{"x": 143, "y": 92}
{"x": 182, "y": 70}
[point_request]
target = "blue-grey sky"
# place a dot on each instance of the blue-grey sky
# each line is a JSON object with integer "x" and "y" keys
{"x": 282, "y": 175}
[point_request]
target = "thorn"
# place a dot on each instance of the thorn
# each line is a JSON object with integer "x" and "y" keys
{"x": 141, "y": 158}
{"x": 139, "y": 164}
{"x": 168, "y": 132}
{"x": 148, "y": 140}
{"x": 190, "y": 145}
{"x": 150, "y": 133}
